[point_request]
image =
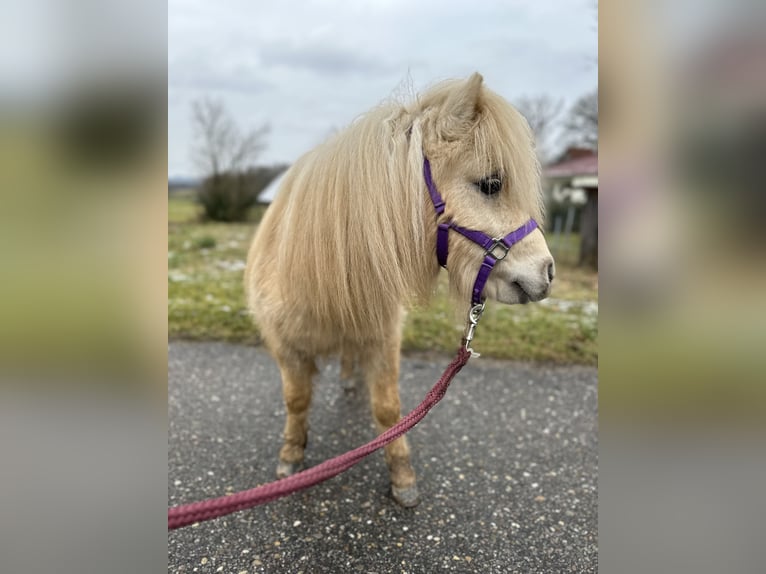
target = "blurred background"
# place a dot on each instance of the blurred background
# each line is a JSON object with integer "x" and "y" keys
{"x": 682, "y": 323}
{"x": 82, "y": 285}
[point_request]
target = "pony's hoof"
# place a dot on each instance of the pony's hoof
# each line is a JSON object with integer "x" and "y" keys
{"x": 285, "y": 469}
{"x": 406, "y": 497}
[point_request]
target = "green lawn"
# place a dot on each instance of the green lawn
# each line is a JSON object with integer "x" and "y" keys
{"x": 183, "y": 209}
{"x": 206, "y": 301}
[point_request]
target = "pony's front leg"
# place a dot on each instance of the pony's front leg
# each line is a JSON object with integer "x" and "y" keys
{"x": 382, "y": 374}
{"x": 296, "y": 391}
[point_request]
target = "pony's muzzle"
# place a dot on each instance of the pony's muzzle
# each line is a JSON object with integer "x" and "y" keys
{"x": 550, "y": 269}
{"x": 535, "y": 285}
{"x": 547, "y": 273}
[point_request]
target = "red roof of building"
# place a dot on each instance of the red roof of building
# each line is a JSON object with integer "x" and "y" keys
{"x": 578, "y": 166}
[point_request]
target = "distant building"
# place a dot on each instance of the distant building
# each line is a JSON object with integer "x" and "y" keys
{"x": 575, "y": 172}
{"x": 574, "y": 178}
{"x": 270, "y": 191}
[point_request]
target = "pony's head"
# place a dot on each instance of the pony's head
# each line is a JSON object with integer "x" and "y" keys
{"x": 482, "y": 158}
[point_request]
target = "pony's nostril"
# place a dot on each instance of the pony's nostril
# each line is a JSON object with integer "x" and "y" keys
{"x": 550, "y": 272}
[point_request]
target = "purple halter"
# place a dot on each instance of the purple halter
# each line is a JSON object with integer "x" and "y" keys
{"x": 495, "y": 248}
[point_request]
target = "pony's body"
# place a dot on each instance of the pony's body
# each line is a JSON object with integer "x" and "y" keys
{"x": 350, "y": 240}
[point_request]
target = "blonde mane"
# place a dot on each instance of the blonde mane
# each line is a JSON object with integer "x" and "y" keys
{"x": 351, "y": 234}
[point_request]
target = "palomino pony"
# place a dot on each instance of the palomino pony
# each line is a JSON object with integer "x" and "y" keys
{"x": 351, "y": 240}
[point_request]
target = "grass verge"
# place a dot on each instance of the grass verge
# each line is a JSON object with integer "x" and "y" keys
{"x": 206, "y": 301}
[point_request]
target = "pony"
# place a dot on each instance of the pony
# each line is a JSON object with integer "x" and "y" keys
{"x": 349, "y": 243}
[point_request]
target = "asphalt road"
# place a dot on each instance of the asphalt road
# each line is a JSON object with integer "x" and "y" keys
{"x": 507, "y": 467}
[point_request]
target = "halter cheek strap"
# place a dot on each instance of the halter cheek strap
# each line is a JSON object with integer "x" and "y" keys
{"x": 495, "y": 248}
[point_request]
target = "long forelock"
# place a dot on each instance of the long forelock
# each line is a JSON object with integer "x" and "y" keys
{"x": 500, "y": 139}
{"x": 503, "y": 143}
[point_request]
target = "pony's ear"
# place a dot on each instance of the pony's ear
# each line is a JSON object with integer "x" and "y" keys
{"x": 461, "y": 108}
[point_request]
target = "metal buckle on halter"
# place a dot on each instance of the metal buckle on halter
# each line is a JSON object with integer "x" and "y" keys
{"x": 473, "y": 319}
{"x": 498, "y": 242}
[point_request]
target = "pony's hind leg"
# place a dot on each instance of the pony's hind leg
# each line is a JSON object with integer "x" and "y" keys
{"x": 296, "y": 391}
{"x": 349, "y": 373}
{"x": 381, "y": 368}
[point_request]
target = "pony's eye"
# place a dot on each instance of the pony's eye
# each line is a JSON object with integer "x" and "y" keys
{"x": 490, "y": 185}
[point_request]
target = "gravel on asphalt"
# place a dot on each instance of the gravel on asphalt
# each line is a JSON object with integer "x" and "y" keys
{"x": 507, "y": 469}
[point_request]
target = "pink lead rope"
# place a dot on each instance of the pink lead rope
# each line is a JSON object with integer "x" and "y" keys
{"x": 186, "y": 514}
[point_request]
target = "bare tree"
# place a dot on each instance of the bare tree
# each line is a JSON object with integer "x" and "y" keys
{"x": 542, "y": 113}
{"x": 219, "y": 146}
{"x": 224, "y": 154}
{"x": 582, "y": 121}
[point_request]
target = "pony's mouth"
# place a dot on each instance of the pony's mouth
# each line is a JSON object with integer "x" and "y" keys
{"x": 524, "y": 297}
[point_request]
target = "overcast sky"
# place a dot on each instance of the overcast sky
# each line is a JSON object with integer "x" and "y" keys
{"x": 310, "y": 67}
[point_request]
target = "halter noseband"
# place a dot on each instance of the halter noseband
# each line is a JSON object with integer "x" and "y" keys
{"x": 495, "y": 248}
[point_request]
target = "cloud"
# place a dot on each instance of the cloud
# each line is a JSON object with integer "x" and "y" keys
{"x": 308, "y": 67}
{"x": 322, "y": 59}
{"x": 204, "y": 71}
